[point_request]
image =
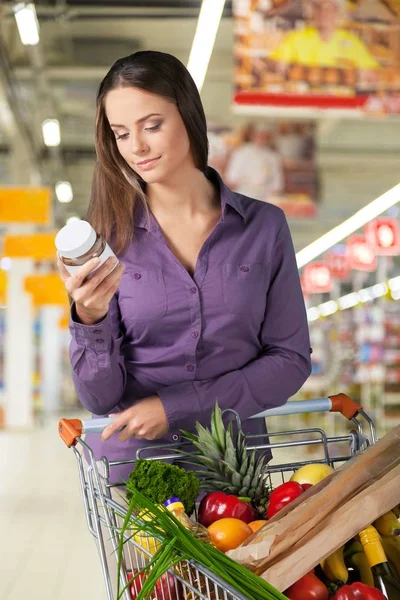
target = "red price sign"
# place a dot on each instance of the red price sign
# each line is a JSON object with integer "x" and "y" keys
{"x": 384, "y": 236}
{"x": 361, "y": 254}
{"x": 339, "y": 264}
{"x": 317, "y": 278}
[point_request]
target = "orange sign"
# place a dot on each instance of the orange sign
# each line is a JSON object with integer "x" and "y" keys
{"x": 3, "y": 286}
{"x": 38, "y": 246}
{"x": 46, "y": 289}
{"x": 25, "y": 205}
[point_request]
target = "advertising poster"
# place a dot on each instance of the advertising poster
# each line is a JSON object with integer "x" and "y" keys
{"x": 318, "y": 53}
{"x": 271, "y": 162}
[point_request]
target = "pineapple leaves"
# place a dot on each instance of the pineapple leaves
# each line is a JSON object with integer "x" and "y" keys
{"x": 217, "y": 428}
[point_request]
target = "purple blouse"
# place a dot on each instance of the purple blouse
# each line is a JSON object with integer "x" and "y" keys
{"x": 236, "y": 331}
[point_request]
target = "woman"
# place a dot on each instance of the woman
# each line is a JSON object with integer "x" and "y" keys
{"x": 206, "y": 303}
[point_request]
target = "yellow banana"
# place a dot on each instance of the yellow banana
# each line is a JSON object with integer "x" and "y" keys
{"x": 334, "y": 567}
{"x": 388, "y": 524}
{"x": 360, "y": 562}
{"x": 391, "y": 546}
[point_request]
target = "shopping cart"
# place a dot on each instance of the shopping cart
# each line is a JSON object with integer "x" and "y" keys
{"x": 192, "y": 581}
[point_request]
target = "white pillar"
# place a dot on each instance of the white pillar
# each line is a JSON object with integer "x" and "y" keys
{"x": 51, "y": 357}
{"x": 19, "y": 350}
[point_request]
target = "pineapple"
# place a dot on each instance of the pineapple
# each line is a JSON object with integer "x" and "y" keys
{"x": 226, "y": 464}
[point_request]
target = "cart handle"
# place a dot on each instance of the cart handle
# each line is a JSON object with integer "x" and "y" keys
{"x": 72, "y": 429}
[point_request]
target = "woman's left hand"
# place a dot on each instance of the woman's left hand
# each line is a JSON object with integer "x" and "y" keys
{"x": 144, "y": 420}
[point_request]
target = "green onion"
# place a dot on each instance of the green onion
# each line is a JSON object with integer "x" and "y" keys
{"x": 179, "y": 544}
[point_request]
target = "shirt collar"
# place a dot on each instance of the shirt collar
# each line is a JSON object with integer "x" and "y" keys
{"x": 145, "y": 219}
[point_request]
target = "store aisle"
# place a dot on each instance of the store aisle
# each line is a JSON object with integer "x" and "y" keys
{"x": 46, "y": 550}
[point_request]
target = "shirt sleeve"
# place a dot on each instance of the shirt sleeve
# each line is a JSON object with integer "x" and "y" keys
{"x": 275, "y": 375}
{"x": 98, "y": 367}
{"x": 360, "y": 55}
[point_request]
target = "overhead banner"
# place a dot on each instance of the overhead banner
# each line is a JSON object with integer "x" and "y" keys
{"x": 326, "y": 54}
{"x": 271, "y": 162}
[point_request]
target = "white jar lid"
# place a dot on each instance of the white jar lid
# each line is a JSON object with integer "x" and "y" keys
{"x": 75, "y": 239}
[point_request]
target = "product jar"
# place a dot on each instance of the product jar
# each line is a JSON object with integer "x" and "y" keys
{"x": 77, "y": 243}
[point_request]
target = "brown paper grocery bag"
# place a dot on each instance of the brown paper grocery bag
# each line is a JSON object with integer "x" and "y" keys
{"x": 303, "y": 519}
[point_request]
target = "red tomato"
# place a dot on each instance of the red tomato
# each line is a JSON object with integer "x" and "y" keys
{"x": 308, "y": 587}
{"x": 283, "y": 495}
{"x": 169, "y": 588}
{"x": 137, "y": 584}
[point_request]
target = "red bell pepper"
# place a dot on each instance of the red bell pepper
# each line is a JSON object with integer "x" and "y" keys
{"x": 358, "y": 591}
{"x": 283, "y": 495}
{"x": 308, "y": 587}
{"x": 218, "y": 505}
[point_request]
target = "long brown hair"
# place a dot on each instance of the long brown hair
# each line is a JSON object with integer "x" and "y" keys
{"x": 116, "y": 188}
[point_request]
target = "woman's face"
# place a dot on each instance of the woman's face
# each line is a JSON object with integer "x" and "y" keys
{"x": 149, "y": 132}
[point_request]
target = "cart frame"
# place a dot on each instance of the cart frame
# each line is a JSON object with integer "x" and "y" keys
{"x": 191, "y": 580}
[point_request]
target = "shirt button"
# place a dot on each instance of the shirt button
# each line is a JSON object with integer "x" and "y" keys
{"x": 244, "y": 268}
{"x": 99, "y": 340}
{"x": 190, "y": 368}
{"x": 137, "y": 276}
{"x": 195, "y": 335}
{"x": 193, "y": 290}
{"x": 175, "y": 437}
{"x": 98, "y": 331}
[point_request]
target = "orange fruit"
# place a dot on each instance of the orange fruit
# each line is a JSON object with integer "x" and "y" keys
{"x": 228, "y": 534}
{"x": 256, "y": 525}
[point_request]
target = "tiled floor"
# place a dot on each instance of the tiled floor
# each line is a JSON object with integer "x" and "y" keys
{"x": 46, "y": 550}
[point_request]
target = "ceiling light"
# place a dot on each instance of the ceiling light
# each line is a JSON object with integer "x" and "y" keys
{"x": 394, "y": 283}
{"x": 379, "y": 290}
{"x": 366, "y": 295}
{"x": 396, "y": 294}
{"x": 328, "y": 308}
{"x": 27, "y": 23}
{"x": 355, "y": 222}
{"x": 64, "y": 191}
{"x": 51, "y": 132}
{"x": 313, "y": 314}
{"x": 349, "y": 301}
{"x": 5, "y": 263}
{"x": 204, "y": 39}
{"x": 72, "y": 219}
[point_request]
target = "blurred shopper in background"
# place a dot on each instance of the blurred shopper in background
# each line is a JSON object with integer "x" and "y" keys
{"x": 206, "y": 303}
{"x": 255, "y": 169}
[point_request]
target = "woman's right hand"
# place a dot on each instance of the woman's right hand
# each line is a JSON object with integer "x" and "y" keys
{"x": 92, "y": 296}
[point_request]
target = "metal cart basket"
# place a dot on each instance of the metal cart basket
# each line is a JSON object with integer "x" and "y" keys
{"x": 191, "y": 581}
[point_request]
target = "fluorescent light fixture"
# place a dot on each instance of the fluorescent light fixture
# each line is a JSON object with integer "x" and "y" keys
{"x": 51, "y": 132}
{"x": 328, "y": 308}
{"x": 355, "y": 222}
{"x": 396, "y": 294}
{"x": 394, "y": 283}
{"x": 5, "y": 263}
{"x": 366, "y": 295}
{"x": 349, "y": 301}
{"x": 379, "y": 290}
{"x": 27, "y": 23}
{"x": 313, "y": 314}
{"x": 204, "y": 39}
{"x": 64, "y": 192}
